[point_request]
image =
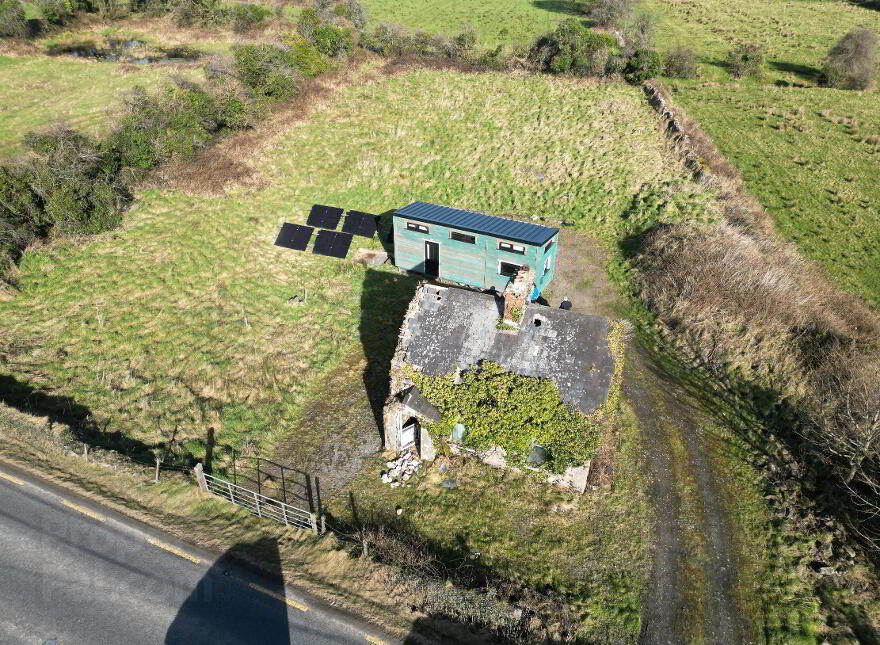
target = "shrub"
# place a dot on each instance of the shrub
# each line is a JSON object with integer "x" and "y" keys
{"x": 644, "y": 64}
{"x": 55, "y": 12}
{"x": 305, "y": 56}
{"x": 681, "y": 63}
{"x": 573, "y": 48}
{"x": 640, "y": 34}
{"x": 246, "y": 17}
{"x": 465, "y": 42}
{"x": 354, "y": 11}
{"x": 202, "y": 12}
{"x": 608, "y": 13}
{"x": 746, "y": 60}
{"x": 852, "y": 62}
{"x": 267, "y": 70}
{"x": 13, "y": 21}
{"x": 329, "y": 39}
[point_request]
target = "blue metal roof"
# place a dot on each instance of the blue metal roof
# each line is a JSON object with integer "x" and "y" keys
{"x": 509, "y": 229}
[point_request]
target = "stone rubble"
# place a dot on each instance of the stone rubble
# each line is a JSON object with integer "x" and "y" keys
{"x": 400, "y": 470}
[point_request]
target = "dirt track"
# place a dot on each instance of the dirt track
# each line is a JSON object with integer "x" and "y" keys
{"x": 692, "y": 593}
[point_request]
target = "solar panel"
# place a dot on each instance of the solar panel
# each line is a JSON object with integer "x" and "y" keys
{"x": 294, "y": 236}
{"x": 341, "y": 244}
{"x": 324, "y": 216}
{"x": 359, "y": 223}
{"x": 323, "y": 242}
{"x": 332, "y": 244}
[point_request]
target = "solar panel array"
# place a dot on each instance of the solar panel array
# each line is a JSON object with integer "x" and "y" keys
{"x": 332, "y": 244}
{"x": 324, "y": 216}
{"x": 294, "y": 236}
{"x": 328, "y": 242}
{"x": 359, "y": 223}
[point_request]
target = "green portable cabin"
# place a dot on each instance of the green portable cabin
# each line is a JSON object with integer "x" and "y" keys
{"x": 472, "y": 248}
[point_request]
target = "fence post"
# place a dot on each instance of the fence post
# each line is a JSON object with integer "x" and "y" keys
{"x": 323, "y": 524}
{"x": 200, "y": 477}
{"x": 231, "y": 494}
{"x": 313, "y": 520}
{"x": 257, "y": 500}
{"x": 284, "y": 514}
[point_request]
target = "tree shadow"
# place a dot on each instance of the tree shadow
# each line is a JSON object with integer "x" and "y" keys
{"x": 804, "y": 72}
{"x": 384, "y": 301}
{"x": 567, "y": 7}
{"x": 223, "y": 609}
{"x": 64, "y": 410}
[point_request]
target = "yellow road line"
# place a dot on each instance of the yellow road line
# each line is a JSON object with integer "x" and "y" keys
{"x": 278, "y": 596}
{"x": 14, "y": 480}
{"x": 173, "y": 549}
{"x": 375, "y": 641}
{"x": 83, "y": 510}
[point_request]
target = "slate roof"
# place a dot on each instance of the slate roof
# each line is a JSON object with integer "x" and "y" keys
{"x": 509, "y": 229}
{"x": 416, "y": 401}
{"x": 454, "y": 329}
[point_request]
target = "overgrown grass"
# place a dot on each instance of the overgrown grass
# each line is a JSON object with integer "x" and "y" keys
{"x": 496, "y": 22}
{"x": 40, "y": 91}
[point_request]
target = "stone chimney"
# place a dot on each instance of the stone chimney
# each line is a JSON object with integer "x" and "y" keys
{"x": 516, "y": 295}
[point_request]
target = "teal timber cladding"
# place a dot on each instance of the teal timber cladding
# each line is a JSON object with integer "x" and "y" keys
{"x": 476, "y": 264}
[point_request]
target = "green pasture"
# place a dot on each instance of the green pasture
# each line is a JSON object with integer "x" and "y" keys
{"x": 39, "y": 91}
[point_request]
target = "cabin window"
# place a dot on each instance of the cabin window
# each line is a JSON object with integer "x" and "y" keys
{"x": 547, "y": 264}
{"x": 418, "y": 228}
{"x": 549, "y": 246}
{"x": 508, "y": 269}
{"x": 512, "y": 248}
{"x": 462, "y": 237}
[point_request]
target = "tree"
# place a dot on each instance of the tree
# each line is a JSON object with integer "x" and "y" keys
{"x": 572, "y": 48}
{"x": 681, "y": 63}
{"x": 852, "y": 62}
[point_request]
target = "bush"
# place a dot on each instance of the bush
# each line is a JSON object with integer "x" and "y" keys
{"x": 55, "y": 12}
{"x": 681, "y": 63}
{"x": 267, "y": 70}
{"x": 573, "y": 48}
{"x": 246, "y": 17}
{"x": 199, "y": 12}
{"x": 353, "y": 11}
{"x": 305, "y": 56}
{"x": 852, "y": 62}
{"x": 746, "y": 60}
{"x": 608, "y": 13}
{"x": 644, "y": 64}
{"x": 640, "y": 34}
{"x": 13, "y": 21}
{"x": 329, "y": 39}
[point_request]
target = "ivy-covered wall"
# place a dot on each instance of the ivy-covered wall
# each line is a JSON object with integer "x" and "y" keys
{"x": 500, "y": 408}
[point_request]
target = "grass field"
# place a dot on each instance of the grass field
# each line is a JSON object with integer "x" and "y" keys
{"x": 40, "y": 91}
{"x": 808, "y": 153}
{"x": 495, "y": 22}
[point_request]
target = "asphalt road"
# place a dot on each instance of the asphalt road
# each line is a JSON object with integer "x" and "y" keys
{"x": 72, "y": 572}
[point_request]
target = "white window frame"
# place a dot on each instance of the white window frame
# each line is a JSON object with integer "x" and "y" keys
{"x": 547, "y": 264}
{"x": 416, "y": 227}
{"x": 512, "y": 248}
{"x": 471, "y": 235}
{"x": 504, "y": 275}
{"x": 549, "y": 245}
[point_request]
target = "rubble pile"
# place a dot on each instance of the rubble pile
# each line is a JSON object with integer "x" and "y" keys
{"x": 400, "y": 470}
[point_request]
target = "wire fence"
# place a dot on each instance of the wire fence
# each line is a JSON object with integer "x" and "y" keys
{"x": 259, "y": 504}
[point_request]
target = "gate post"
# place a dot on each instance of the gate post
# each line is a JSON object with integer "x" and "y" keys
{"x": 200, "y": 477}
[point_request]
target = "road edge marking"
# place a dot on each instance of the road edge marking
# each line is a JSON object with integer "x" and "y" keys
{"x": 10, "y": 478}
{"x": 278, "y": 596}
{"x": 83, "y": 510}
{"x": 173, "y": 549}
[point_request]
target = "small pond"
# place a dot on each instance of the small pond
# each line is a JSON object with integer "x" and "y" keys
{"x": 133, "y": 51}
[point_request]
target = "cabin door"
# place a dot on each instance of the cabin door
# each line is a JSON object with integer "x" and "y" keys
{"x": 432, "y": 259}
